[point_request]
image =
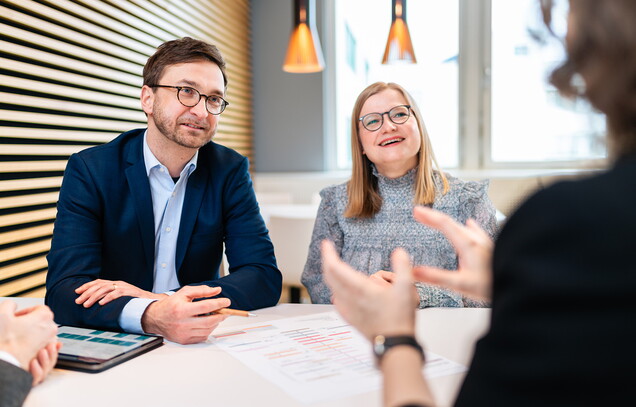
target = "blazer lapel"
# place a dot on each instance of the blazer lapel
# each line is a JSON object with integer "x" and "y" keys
{"x": 140, "y": 190}
{"x": 191, "y": 206}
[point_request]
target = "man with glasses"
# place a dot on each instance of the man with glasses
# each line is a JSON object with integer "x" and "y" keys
{"x": 142, "y": 220}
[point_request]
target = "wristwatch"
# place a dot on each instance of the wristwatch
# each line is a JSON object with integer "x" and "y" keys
{"x": 382, "y": 344}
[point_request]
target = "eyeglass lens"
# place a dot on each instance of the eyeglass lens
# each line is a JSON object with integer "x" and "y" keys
{"x": 398, "y": 115}
{"x": 190, "y": 97}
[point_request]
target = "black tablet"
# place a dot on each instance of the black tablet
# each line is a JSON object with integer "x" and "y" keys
{"x": 90, "y": 350}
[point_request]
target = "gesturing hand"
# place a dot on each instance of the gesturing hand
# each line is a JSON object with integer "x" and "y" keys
{"x": 180, "y": 319}
{"x": 105, "y": 291}
{"x": 371, "y": 308}
{"x": 474, "y": 251}
{"x": 383, "y": 278}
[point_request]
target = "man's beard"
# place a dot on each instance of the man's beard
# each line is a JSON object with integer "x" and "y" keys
{"x": 174, "y": 131}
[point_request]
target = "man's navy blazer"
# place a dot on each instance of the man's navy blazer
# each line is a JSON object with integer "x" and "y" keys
{"x": 105, "y": 230}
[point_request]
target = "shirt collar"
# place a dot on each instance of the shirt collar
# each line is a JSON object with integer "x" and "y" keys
{"x": 151, "y": 161}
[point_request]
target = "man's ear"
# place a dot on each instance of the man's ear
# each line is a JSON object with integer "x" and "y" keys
{"x": 147, "y": 99}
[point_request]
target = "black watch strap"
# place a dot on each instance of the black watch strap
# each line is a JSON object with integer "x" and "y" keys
{"x": 381, "y": 344}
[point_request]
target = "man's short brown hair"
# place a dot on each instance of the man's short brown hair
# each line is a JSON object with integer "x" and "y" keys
{"x": 181, "y": 51}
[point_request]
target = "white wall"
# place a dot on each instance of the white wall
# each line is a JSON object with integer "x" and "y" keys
{"x": 288, "y": 107}
{"x": 508, "y": 188}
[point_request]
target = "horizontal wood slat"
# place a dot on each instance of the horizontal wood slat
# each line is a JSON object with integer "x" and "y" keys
{"x": 15, "y": 286}
{"x": 30, "y": 183}
{"x": 74, "y": 107}
{"x": 27, "y": 217}
{"x": 26, "y": 233}
{"x": 28, "y": 200}
{"x": 69, "y": 63}
{"x": 23, "y": 267}
{"x": 66, "y": 91}
{"x": 51, "y": 134}
{"x": 39, "y": 149}
{"x": 25, "y": 250}
{"x": 36, "y": 293}
{"x": 32, "y": 166}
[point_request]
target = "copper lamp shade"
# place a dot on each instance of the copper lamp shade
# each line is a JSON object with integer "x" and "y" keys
{"x": 304, "y": 54}
{"x": 399, "y": 48}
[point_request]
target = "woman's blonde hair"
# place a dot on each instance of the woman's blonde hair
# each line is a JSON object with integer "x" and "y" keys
{"x": 362, "y": 190}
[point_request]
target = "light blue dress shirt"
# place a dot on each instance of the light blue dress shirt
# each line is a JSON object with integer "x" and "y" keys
{"x": 167, "y": 203}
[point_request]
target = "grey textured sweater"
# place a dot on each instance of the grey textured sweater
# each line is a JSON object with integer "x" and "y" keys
{"x": 366, "y": 244}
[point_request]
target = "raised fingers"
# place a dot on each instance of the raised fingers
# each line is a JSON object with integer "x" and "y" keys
{"x": 339, "y": 275}
{"x": 436, "y": 276}
{"x": 453, "y": 230}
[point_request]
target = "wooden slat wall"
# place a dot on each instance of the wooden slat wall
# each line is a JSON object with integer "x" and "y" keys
{"x": 70, "y": 77}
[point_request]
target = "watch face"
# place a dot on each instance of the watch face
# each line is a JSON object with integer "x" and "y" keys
{"x": 378, "y": 345}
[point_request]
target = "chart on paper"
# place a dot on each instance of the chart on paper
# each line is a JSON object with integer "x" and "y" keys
{"x": 314, "y": 358}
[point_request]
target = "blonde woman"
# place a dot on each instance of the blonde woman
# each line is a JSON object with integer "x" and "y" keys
{"x": 394, "y": 169}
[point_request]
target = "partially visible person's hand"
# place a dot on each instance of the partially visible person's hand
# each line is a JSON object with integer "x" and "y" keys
{"x": 44, "y": 362}
{"x": 180, "y": 319}
{"x": 372, "y": 309}
{"x": 105, "y": 291}
{"x": 474, "y": 248}
{"x": 386, "y": 278}
{"x": 25, "y": 332}
{"x": 383, "y": 278}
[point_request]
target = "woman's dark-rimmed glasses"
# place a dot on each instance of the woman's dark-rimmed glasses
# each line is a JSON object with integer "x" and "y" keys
{"x": 190, "y": 97}
{"x": 398, "y": 115}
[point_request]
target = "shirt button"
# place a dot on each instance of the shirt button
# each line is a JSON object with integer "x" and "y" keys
{"x": 161, "y": 169}
{"x": 168, "y": 229}
{"x": 163, "y": 265}
{"x": 174, "y": 194}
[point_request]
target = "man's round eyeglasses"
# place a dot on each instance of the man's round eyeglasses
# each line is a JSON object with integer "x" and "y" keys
{"x": 398, "y": 115}
{"x": 190, "y": 97}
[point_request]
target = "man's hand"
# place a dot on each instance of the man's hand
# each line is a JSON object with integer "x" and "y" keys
{"x": 180, "y": 319}
{"x": 372, "y": 309}
{"x": 105, "y": 291}
{"x": 474, "y": 249}
{"x": 24, "y": 333}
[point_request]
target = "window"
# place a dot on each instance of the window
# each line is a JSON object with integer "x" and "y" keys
{"x": 530, "y": 121}
{"x": 351, "y": 49}
{"x": 494, "y": 97}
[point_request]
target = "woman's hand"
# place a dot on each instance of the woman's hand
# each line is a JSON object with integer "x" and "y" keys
{"x": 474, "y": 249}
{"x": 105, "y": 291}
{"x": 383, "y": 278}
{"x": 386, "y": 278}
{"x": 371, "y": 308}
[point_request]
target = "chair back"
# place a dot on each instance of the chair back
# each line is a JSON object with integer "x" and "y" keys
{"x": 274, "y": 198}
{"x": 291, "y": 237}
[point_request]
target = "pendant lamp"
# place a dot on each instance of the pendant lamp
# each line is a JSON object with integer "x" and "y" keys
{"x": 304, "y": 54}
{"x": 399, "y": 48}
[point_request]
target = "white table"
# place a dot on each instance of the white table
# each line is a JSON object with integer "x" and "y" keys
{"x": 202, "y": 374}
